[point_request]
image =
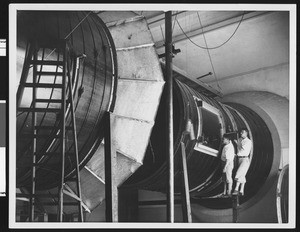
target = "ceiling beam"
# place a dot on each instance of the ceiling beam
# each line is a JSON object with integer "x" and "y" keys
{"x": 212, "y": 27}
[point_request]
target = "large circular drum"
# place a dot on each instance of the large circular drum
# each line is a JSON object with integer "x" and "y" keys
{"x": 93, "y": 70}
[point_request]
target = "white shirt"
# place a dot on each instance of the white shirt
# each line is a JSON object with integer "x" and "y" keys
{"x": 228, "y": 152}
{"x": 244, "y": 146}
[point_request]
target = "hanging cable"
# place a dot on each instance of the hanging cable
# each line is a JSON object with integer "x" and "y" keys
{"x": 202, "y": 32}
{"x": 172, "y": 27}
{"x": 209, "y": 53}
{"x": 162, "y": 33}
{"x": 70, "y": 32}
{"x": 77, "y": 25}
{"x": 174, "y": 21}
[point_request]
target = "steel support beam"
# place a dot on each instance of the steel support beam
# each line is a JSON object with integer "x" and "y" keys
{"x": 34, "y": 144}
{"x": 185, "y": 193}
{"x": 111, "y": 188}
{"x": 78, "y": 185}
{"x": 170, "y": 145}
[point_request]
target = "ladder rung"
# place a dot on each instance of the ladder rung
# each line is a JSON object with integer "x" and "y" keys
{"x": 40, "y": 195}
{"x": 30, "y": 136}
{"x": 46, "y": 127}
{"x": 52, "y": 128}
{"x": 65, "y": 203}
{"x": 48, "y": 154}
{"x": 47, "y": 62}
{"x": 38, "y": 136}
{"x": 50, "y": 73}
{"x": 45, "y": 110}
{"x": 48, "y": 100}
{"x": 43, "y": 85}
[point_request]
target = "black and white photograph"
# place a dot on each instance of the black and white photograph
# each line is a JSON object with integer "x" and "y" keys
{"x": 2, "y": 148}
{"x": 152, "y": 116}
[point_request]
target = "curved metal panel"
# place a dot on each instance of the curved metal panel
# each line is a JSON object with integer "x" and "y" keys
{"x": 204, "y": 167}
{"x": 93, "y": 88}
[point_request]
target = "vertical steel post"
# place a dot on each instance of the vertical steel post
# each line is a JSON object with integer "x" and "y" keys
{"x": 111, "y": 188}
{"x": 170, "y": 145}
{"x": 80, "y": 216}
{"x": 33, "y": 175}
{"x": 62, "y": 139}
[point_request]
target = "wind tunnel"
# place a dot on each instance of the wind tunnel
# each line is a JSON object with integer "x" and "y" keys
{"x": 94, "y": 90}
{"x": 210, "y": 120}
{"x": 116, "y": 52}
{"x": 121, "y": 73}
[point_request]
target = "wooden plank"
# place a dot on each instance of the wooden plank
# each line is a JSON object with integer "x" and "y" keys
{"x": 47, "y": 62}
{"x": 50, "y": 73}
{"x": 49, "y": 100}
{"x": 43, "y": 85}
{"x": 185, "y": 193}
{"x": 41, "y": 110}
{"x": 39, "y": 195}
{"x": 71, "y": 193}
{"x": 80, "y": 216}
{"x": 111, "y": 188}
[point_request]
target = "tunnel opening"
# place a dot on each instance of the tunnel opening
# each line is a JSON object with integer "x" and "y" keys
{"x": 262, "y": 153}
{"x": 261, "y": 157}
{"x": 204, "y": 169}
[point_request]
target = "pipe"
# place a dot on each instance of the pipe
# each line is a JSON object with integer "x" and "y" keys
{"x": 170, "y": 147}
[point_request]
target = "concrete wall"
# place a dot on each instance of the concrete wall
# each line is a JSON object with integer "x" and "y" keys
{"x": 273, "y": 79}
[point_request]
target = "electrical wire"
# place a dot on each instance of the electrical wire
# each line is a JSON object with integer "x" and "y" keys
{"x": 202, "y": 32}
{"x": 174, "y": 22}
{"x": 162, "y": 33}
{"x": 172, "y": 27}
{"x": 209, "y": 54}
{"x": 70, "y": 32}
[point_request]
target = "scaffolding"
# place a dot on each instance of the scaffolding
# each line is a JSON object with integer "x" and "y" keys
{"x": 35, "y": 64}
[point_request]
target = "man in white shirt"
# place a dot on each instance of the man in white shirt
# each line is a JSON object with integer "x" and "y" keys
{"x": 244, "y": 146}
{"x": 227, "y": 158}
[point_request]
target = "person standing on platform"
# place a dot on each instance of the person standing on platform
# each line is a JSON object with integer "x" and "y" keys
{"x": 244, "y": 146}
{"x": 227, "y": 157}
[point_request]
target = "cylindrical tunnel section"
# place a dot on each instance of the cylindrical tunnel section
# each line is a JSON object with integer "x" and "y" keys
{"x": 92, "y": 66}
{"x": 210, "y": 120}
